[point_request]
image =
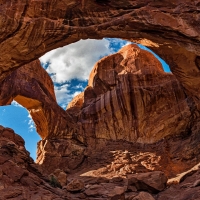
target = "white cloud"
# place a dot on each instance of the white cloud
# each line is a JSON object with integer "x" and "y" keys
{"x": 64, "y": 94}
{"x": 79, "y": 86}
{"x": 76, "y": 60}
{"x": 14, "y": 103}
{"x": 31, "y": 124}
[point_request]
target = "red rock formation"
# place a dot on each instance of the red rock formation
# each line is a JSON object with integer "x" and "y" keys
{"x": 20, "y": 177}
{"x": 171, "y": 28}
{"x": 32, "y": 87}
{"x": 129, "y": 97}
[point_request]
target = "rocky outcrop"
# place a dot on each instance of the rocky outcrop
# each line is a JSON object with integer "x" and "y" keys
{"x": 129, "y": 97}
{"x": 123, "y": 103}
{"x": 64, "y": 154}
{"x": 152, "y": 182}
{"x": 20, "y": 177}
{"x": 31, "y": 86}
{"x": 31, "y": 28}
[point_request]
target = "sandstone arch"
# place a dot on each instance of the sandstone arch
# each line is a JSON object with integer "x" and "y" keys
{"x": 171, "y": 29}
{"x": 31, "y": 86}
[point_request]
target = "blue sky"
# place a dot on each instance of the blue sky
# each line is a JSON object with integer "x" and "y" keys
{"x": 69, "y": 68}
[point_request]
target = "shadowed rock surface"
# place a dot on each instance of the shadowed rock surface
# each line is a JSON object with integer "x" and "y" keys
{"x": 129, "y": 99}
{"x": 112, "y": 171}
{"x": 20, "y": 177}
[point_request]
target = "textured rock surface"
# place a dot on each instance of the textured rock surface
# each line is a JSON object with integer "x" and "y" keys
{"x": 59, "y": 176}
{"x": 31, "y": 28}
{"x": 32, "y": 87}
{"x": 60, "y": 153}
{"x": 152, "y": 182}
{"x": 20, "y": 177}
{"x": 171, "y": 28}
{"x": 141, "y": 196}
{"x": 130, "y": 97}
{"x": 75, "y": 186}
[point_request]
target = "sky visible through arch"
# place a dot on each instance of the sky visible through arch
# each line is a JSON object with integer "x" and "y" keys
{"x": 69, "y": 68}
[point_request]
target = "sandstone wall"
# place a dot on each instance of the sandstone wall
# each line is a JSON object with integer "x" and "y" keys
{"x": 129, "y": 97}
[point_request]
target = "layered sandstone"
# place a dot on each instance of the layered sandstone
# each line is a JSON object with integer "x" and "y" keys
{"x": 129, "y": 97}
{"x": 171, "y": 28}
{"x": 31, "y": 28}
{"x": 31, "y": 86}
{"x": 129, "y": 102}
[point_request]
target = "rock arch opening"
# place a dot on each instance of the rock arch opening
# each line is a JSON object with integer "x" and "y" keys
{"x": 16, "y": 117}
{"x": 36, "y": 94}
{"x": 29, "y": 29}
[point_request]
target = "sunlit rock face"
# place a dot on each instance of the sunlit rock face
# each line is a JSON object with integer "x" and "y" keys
{"x": 31, "y": 28}
{"x": 129, "y": 102}
{"x": 129, "y": 97}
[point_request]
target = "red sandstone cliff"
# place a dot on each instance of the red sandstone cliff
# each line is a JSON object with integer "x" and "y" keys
{"x": 129, "y": 97}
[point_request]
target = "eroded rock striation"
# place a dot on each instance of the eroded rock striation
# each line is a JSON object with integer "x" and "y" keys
{"x": 129, "y": 97}
{"x": 20, "y": 177}
{"x": 171, "y": 29}
{"x": 130, "y": 104}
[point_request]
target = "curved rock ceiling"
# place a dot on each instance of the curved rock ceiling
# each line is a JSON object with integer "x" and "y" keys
{"x": 30, "y": 28}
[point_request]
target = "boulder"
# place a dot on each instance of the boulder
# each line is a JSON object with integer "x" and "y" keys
{"x": 108, "y": 190}
{"x": 75, "y": 186}
{"x": 141, "y": 196}
{"x": 152, "y": 182}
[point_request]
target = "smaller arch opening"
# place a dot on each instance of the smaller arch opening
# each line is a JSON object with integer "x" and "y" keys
{"x": 18, "y": 118}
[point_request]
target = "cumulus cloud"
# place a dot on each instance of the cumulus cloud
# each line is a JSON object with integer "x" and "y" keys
{"x": 65, "y": 93}
{"x": 76, "y": 60}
